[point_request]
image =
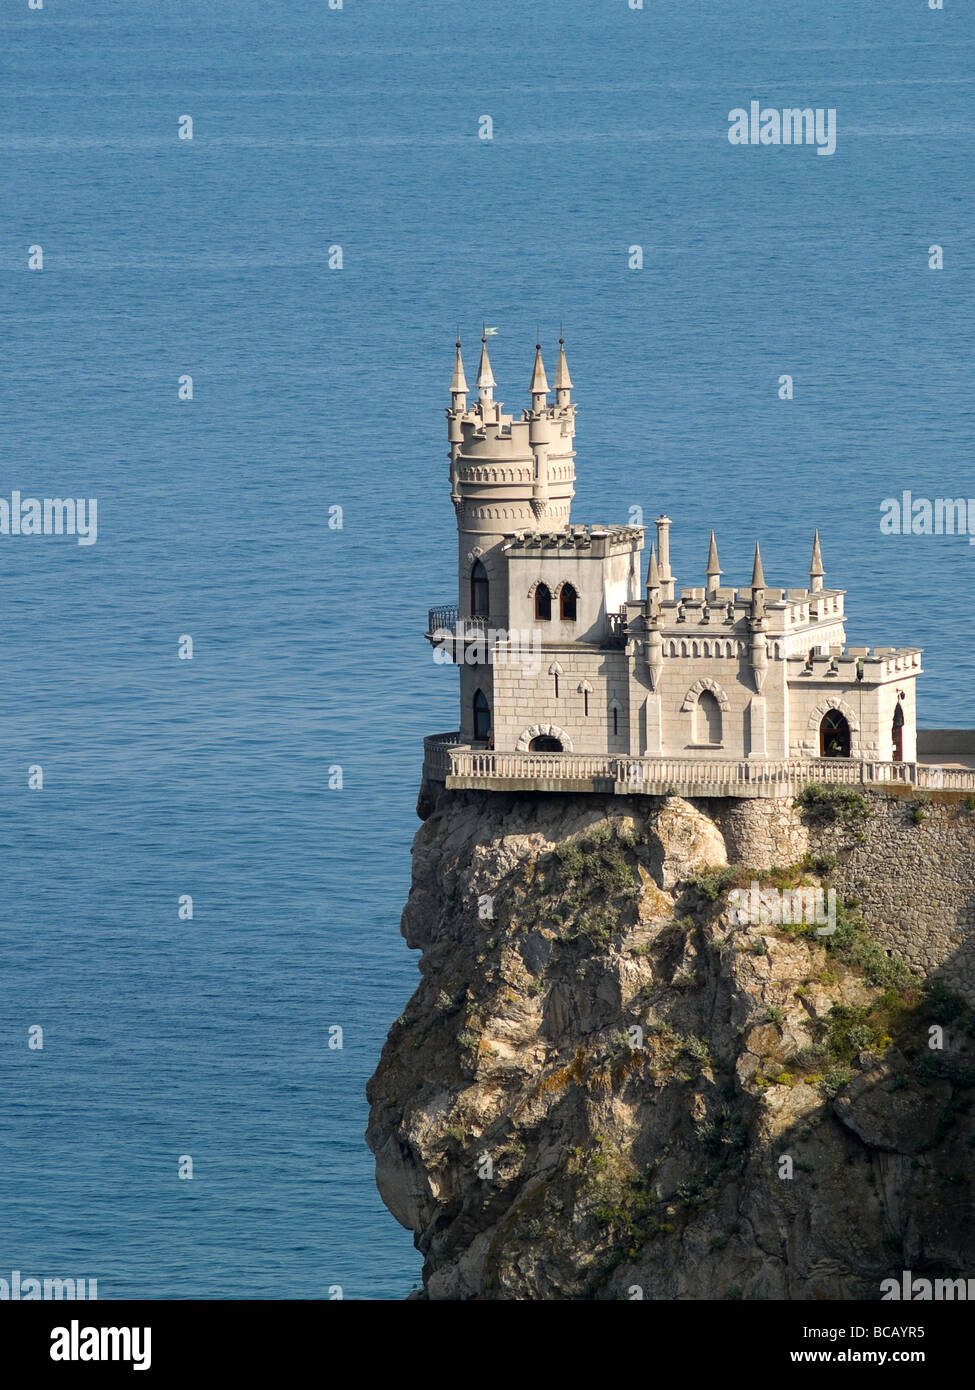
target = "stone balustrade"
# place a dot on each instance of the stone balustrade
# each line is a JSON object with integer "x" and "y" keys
{"x": 461, "y": 766}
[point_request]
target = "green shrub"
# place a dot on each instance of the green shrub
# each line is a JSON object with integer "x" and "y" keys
{"x": 834, "y": 1081}
{"x": 831, "y": 804}
{"x": 712, "y": 883}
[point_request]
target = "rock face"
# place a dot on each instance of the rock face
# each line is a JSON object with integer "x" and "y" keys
{"x": 608, "y": 1085}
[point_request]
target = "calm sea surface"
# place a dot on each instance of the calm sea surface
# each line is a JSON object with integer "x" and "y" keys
{"x": 316, "y": 388}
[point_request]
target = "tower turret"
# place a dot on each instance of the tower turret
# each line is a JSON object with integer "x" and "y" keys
{"x": 539, "y": 434}
{"x": 758, "y": 622}
{"x": 563, "y": 382}
{"x": 485, "y": 376}
{"x": 506, "y": 475}
{"x": 653, "y": 645}
{"x": 539, "y": 385}
{"x": 652, "y": 605}
{"x": 458, "y": 383}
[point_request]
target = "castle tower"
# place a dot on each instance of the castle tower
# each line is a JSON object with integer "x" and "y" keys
{"x": 506, "y": 475}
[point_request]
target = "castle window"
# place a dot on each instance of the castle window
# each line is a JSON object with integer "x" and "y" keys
{"x": 480, "y": 591}
{"x": 616, "y": 721}
{"x": 482, "y": 716}
{"x": 543, "y": 603}
{"x": 585, "y": 703}
{"x": 567, "y": 604}
{"x": 708, "y": 719}
{"x": 834, "y": 736}
{"x": 545, "y": 744}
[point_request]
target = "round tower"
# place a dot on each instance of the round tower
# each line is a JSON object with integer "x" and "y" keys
{"x": 506, "y": 475}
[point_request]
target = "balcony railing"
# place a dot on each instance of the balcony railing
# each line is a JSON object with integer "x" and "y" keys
{"x": 443, "y": 618}
{"x": 446, "y": 618}
{"x": 617, "y": 629}
{"x": 460, "y": 765}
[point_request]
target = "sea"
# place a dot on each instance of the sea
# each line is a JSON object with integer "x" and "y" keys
{"x": 363, "y": 182}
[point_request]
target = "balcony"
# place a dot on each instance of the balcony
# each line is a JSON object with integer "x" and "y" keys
{"x": 617, "y": 630}
{"x": 453, "y": 630}
{"x": 460, "y": 766}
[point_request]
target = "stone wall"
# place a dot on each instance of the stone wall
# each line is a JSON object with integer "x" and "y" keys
{"x": 910, "y": 864}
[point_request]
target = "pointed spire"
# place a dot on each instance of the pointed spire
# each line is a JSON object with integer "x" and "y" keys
{"x": 758, "y": 574}
{"x": 653, "y": 573}
{"x": 816, "y": 570}
{"x": 539, "y": 386}
{"x": 713, "y": 570}
{"x": 458, "y": 382}
{"x": 563, "y": 382}
{"x": 651, "y": 605}
{"x": 485, "y": 377}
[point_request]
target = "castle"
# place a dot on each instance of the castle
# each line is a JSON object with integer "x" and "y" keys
{"x": 623, "y": 667}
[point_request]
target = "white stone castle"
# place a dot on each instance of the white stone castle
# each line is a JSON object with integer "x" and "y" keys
{"x": 708, "y": 674}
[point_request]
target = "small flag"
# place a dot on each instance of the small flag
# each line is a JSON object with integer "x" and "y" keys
{"x": 488, "y": 332}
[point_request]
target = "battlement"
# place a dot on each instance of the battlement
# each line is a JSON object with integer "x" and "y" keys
{"x": 856, "y": 664}
{"x": 581, "y": 542}
{"x": 787, "y": 611}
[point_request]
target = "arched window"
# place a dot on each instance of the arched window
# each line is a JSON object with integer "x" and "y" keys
{"x": 834, "y": 736}
{"x": 480, "y": 591}
{"x": 708, "y": 717}
{"x": 482, "y": 716}
{"x": 897, "y": 735}
{"x": 543, "y": 603}
{"x": 545, "y": 744}
{"x": 567, "y": 603}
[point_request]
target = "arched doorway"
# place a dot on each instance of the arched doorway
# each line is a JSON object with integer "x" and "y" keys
{"x": 834, "y": 735}
{"x": 545, "y": 744}
{"x": 897, "y": 735}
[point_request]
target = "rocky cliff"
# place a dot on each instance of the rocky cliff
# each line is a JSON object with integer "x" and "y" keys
{"x": 613, "y": 1082}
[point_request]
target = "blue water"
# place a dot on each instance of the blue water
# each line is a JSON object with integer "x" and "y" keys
{"x": 317, "y": 387}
